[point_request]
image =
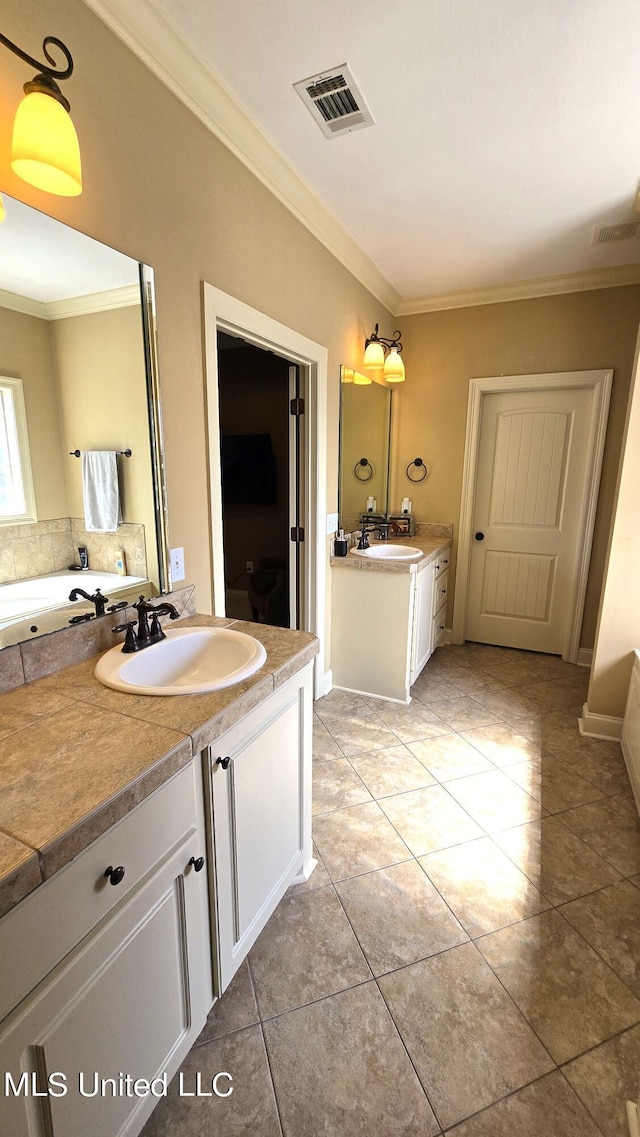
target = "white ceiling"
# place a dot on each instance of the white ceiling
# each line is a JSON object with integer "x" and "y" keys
{"x": 505, "y": 130}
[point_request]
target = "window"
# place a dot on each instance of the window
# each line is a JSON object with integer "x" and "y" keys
{"x": 17, "y": 501}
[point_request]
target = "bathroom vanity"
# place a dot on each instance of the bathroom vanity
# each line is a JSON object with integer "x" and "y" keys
{"x": 388, "y": 617}
{"x": 151, "y": 840}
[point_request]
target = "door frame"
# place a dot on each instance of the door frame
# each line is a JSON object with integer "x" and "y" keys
{"x": 600, "y": 382}
{"x": 225, "y": 313}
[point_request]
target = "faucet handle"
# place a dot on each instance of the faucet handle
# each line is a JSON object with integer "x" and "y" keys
{"x": 130, "y": 643}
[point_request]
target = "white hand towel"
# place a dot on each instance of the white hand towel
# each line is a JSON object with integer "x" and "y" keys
{"x": 100, "y": 491}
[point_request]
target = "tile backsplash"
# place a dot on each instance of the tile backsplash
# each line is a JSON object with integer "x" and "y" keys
{"x": 42, "y": 547}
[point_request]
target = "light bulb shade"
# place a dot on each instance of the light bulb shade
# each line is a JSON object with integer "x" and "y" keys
{"x": 373, "y": 357}
{"x": 45, "y": 150}
{"x": 361, "y": 380}
{"x": 346, "y": 374}
{"x": 394, "y": 367}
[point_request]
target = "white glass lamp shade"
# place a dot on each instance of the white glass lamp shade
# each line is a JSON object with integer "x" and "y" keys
{"x": 394, "y": 367}
{"x": 3, "y": 212}
{"x": 374, "y": 357}
{"x": 45, "y": 151}
{"x": 346, "y": 374}
{"x": 361, "y": 380}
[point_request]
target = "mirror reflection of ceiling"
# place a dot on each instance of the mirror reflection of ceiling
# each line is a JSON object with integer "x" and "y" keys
{"x": 89, "y": 267}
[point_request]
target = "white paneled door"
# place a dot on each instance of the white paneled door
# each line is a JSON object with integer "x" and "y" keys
{"x": 532, "y": 481}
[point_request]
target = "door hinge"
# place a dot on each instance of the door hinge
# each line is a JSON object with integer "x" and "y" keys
{"x": 296, "y": 406}
{"x": 297, "y": 533}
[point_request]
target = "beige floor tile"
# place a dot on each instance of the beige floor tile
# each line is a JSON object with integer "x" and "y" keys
{"x": 508, "y": 703}
{"x": 552, "y": 696}
{"x": 319, "y": 878}
{"x": 236, "y": 1009}
{"x": 571, "y": 998}
{"x": 324, "y": 746}
{"x": 339, "y": 705}
{"x": 553, "y": 784}
{"x": 340, "y": 1070}
{"x": 449, "y": 757}
{"x": 433, "y": 688}
{"x": 561, "y": 865}
{"x": 605, "y": 769}
{"x": 482, "y": 1048}
{"x": 463, "y": 713}
{"x": 494, "y": 801}
{"x": 391, "y": 771}
{"x": 612, "y": 828}
{"x": 251, "y": 1108}
{"x": 429, "y": 819}
{"x": 361, "y": 733}
{"x": 398, "y": 916}
{"x": 548, "y": 1108}
{"x": 609, "y": 920}
{"x": 606, "y": 1077}
{"x": 312, "y": 934}
{"x": 512, "y": 674}
{"x": 357, "y": 840}
{"x": 413, "y": 722}
{"x": 482, "y": 886}
{"x": 475, "y": 682}
{"x": 553, "y": 732}
{"x": 335, "y": 784}
{"x": 503, "y": 745}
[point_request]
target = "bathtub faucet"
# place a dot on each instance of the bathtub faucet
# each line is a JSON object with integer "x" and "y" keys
{"x": 98, "y": 599}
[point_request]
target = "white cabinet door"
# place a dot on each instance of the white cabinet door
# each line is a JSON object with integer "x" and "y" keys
{"x": 422, "y": 617}
{"x": 259, "y": 778}
{"x": 130, "y": 999}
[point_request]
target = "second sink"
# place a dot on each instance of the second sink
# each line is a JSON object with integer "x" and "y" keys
{"x": 387, "y": 552}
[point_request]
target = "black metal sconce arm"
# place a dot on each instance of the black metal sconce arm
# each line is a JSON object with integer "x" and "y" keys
{"x": 47, "y": 72}
{"x": 386, "y": 342}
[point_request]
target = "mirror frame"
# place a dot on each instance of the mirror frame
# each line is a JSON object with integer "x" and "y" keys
{"x": 341, "y": 444}
{"x": 156, "y": 435}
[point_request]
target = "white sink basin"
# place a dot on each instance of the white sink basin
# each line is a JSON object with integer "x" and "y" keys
{"x": 386, "y": 552}
{"x": 188, "y": 662}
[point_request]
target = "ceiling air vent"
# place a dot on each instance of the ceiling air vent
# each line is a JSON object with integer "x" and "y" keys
{"x": 624, "y": 231}
{"x": 334, "y": 101}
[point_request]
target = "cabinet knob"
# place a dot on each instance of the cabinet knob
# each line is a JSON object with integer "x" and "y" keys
{"x": 479, "y": 536}
{"x": 443, "y": 590}
{"x": 115, "y": 875}
{"x": 198, "y": 863}
{"x": 224, "y": 762}
{"x": 437, "y": 568}
{"x": 445, "y": 562}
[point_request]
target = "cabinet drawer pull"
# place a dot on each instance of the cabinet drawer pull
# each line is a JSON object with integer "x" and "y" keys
{"x": 443, "y": 590}
{"x": 198, "y": 863}
{"x": 115, "y": 875}
{"x": 224, "y": 762}
{"x": 445, "y": 562}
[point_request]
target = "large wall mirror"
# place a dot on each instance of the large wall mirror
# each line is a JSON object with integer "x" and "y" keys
{"x": 77, "y": 374}
{"x": 365, "y": 431}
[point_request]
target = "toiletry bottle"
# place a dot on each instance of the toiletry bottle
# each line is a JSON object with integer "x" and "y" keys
{"x": 340, "y": 545}
{"x": 120, "y": 562}
{"x": 371, "y": 505}
{"x": 84, "y": 556}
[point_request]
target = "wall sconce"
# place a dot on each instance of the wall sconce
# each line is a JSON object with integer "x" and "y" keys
{"x": 383, "y": 355}
{"x": 45, "y": 151}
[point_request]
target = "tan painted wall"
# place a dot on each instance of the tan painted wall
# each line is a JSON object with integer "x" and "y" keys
{"x": 161, "y": 188}
{"x": 103, "y": 406}
{"x": 443, "y": 350}
{"x": 26, "y": 353}
{"x": 618, "y": 632}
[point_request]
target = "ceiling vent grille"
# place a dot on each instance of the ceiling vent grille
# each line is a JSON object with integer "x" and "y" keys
{"x": 624, "y": 231}
{"x": 335, "y": 102}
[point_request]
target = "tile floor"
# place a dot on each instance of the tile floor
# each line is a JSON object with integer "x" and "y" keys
{"x": 466, "y": 957}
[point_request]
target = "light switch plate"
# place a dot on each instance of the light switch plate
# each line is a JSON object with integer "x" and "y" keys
{"x": 176, "y": 557}
{"x": 332, "y": 523}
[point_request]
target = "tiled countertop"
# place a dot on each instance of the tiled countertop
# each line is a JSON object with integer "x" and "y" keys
{"x": 77, "y": 756}
{"x": 431, "y": 548}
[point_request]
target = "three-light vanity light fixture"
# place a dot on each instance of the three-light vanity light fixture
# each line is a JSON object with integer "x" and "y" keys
{"x": 45, "y": 150}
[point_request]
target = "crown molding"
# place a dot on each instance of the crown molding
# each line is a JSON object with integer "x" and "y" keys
{"x": 125, "y": 297}
{"x": 523, "y": 290}
{"x": 159, "y": 46}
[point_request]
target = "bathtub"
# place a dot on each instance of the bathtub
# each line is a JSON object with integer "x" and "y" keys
{"x": 35, "y": 607}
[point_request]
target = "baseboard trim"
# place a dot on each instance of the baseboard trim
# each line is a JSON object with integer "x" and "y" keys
{"x": 372, "y": 695}
{"x": 447, "y": 636}
{"x": 324, "y": 683}
{"x": 606, "y": 727}
{"x": 585, "y": 657}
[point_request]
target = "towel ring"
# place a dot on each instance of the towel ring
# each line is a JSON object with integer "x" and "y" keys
{"x": 420, "y": 465}
{"x": 365, "y": 464}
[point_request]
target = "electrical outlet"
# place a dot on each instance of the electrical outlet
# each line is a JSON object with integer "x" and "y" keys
{"x": 176, "y": 557}
{"x": 249, "y": 566}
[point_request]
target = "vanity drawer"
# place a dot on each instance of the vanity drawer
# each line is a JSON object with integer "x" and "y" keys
{"x": 56, "y": 916}
{"x": 442, "y": 563}
{"x": 440, "y": 589}
{"x": 437, "y": 628}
